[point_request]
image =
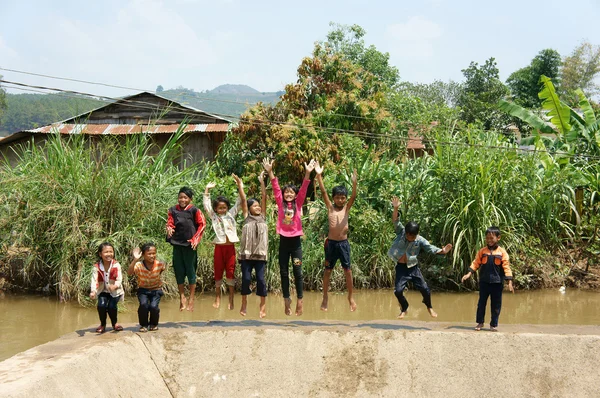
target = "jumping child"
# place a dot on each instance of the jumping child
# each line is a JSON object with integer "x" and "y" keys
{"x": 404, "y": 251}
{"x": 107, "y": 285}
{"x": 289, "y": 228}
{"x": 253, "y": 245}
{"x": 336, "y": 245}
{"x": 494, "y": 267}
{"x": 225, "y": 227}
{"x": 148, "y": 272}
{"x": 185, "y": 225}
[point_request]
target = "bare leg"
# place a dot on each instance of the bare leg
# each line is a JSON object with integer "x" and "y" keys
{"x": 217, "y": 302}
{"x": 231, "y": 295}
{"x": 182, "y": 300}
{"x": 262, "y": 309}
{"x": 432, "y": 312}
{"x": 350, "y": 287}
{"x": 299, "y": 307}
{"x": 326, "y": 278}
{"x": 190, "y": 306}
{"x": 244, "y": 304}
{"x": 287, "y": 302}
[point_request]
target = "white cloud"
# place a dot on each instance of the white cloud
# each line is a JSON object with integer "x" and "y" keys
{"x": 414, "y": 38}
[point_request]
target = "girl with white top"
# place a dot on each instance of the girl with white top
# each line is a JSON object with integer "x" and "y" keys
{"x": 107, "y": 286}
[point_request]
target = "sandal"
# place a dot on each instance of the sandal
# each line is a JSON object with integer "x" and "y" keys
{"x": 117, "y": 328}
{"x": 478, "y": 327}
{"x": 100, "y": 329}
{"x": 493, "y": 328}
{"x": 153, "y": 328}
{"x": 143, "y": 329}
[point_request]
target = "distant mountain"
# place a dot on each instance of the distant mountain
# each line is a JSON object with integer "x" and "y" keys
{"x": 234, "y": 89}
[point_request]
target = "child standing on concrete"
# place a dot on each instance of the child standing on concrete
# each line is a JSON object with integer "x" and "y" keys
{"x": 336, "y": 245}
{"x": 254, "y": 245}
{"x": 107, "y": 285}
{"x": 404, "y": 251}
{"x": 493, "y": 264}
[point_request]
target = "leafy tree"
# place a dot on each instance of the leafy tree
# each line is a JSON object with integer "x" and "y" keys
{"x": 579, "y": 70}
{"x": 480, "y": 94}
{"x": 2, "y": 99}
{"x": 159, "y": 89}
{"x": 525, "y": 84}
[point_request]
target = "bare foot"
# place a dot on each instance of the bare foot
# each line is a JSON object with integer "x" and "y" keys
{"x": 352, "y": 304}
{"x": 493, "y": 328}
{"x": 262, "y": 312}
{"x": 432, "y": 312}
{"x": 288, "y": 304}
{"x": 479, "y": 326}
{"x": 324, "y": 303}
{"x": 299, "y": 307}
{"x": 243, "y": 309}
{"x": 182, "y": 303}
{"x": 190, "y": 306}
{"x": 230, "y": 305}
{"x": 217, "y": 302}
{"x": 402, "y": 315}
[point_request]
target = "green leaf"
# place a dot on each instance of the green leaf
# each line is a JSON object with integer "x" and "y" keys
{"x": 525, "y": 115}
{"x": 559, "y": 113}
{"x": 588, "y": 111}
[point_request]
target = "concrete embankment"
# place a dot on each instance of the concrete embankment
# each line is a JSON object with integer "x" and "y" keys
{"x": 304, "y": 358}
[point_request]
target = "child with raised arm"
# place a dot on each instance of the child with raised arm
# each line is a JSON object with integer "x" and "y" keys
{"x": 225, "y": 227}
{"x": 289, "y": 228}
{"x": 254, "y": 245}
{"x": 148, "y": 272}
{"x": 404, "y": 251}
{"x": 494, "y": 267}
{"x": 185, "y": 225}
{"x": 107, "y": 285}
{"x": 336, "y": 245}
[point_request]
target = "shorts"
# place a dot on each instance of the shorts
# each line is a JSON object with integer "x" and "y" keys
{"x": 337, "y": 250}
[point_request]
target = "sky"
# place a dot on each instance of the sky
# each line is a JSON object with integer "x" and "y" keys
{"x": 201, "y": 44}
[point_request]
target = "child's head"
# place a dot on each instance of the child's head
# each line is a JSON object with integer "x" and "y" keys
{"x": 289, "y": 192}
{"x": 185, "y": 197}
{"x": 221, "y": 205}
{"x": 411, "y": 229}
{"x": 492, "y": 236}
{"x": 148, "y": 252}
{"x": 254, "y": 207}
{"x": 106, "y": 252}
{"x": 340, "y": 196}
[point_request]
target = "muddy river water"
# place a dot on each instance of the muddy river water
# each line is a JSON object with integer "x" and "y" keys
{"x": 28, "y": 321}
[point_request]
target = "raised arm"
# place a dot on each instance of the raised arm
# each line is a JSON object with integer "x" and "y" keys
{"x": 206, "y": 199}
{"x": 263, "y": 194}
{"x": 319, "y": 178}
{"x": 137, "y": 254}
{"x": 268, "y": 166}
{"x": 243, "y": 202}
{"x": 309, "y": 167}
{"x": 395, "y": 204}
{"x": 354, "y": 187}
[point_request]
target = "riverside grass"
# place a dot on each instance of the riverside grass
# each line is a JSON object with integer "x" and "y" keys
{"x": 67, "y": 195}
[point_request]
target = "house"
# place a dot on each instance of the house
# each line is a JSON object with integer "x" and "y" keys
{"x": 140, "y": 113}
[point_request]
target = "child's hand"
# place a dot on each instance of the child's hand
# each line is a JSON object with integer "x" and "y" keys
{"x": 466, "y": 276}
{"x": 318, "y": 168}
{"x": 354, "y": 176}
{"x": 194, "y": 244}
{"x": 261, "y": 177}
{"x": 170, "y": 231}
{"x": 268, "y": 165}
{"x": 447, "y": 249}
{"x": 93, "y": 295}
{"x": 238, "y": 181}
{"x": 211, "y": 185}
{"x": 136, "y": 253}
{"x": 310, "y": 166}
{"x": 112, "y": 288}
{"x": 510, "y": 286}
{"x": 396, "y": 202}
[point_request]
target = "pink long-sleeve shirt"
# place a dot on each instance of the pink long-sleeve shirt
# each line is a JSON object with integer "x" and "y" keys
{"x": 289, "y": 223}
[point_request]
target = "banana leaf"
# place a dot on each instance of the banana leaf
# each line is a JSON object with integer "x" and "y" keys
{"x": 559, "y": 113}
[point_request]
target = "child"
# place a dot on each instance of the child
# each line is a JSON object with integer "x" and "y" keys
{"x": 107, "y": 285}
{"x": 225, "y": 227}
{"x": 495, "y": 268}
{"x": 336, "y": 245}
{"x": 405, "y": 249}
{"x": 289, "y": 227}
{"x": 148, "y": 272}
{"x": 185, "y": 225}
{"x": 253, "y": 245}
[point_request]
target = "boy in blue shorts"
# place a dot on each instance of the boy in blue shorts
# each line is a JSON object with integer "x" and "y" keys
{"x": 336, "y": 245}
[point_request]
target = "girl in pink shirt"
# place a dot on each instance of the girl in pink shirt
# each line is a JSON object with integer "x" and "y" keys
{"x": 289, "y": 227}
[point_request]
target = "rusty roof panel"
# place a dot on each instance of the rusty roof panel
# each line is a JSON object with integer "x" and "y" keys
{"x": 217, "y": 127}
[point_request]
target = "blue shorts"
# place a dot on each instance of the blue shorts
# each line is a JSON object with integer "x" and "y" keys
{"x": 337, "y": 250}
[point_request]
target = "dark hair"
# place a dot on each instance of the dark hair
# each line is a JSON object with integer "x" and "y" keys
{"x": 101, "y": 247}
{"x": 220, "y": 199}
{"x": 493, "y": 230}
{"x": 411, "y": 228}
{"x": 187, "y": 191}
{"x": 251, "y": 201}
{"x": 290, "y": 186}
{"x": 339, "y": 190}
{"x": 144, "y": 247}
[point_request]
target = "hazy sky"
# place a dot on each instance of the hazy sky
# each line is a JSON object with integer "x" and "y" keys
{"x": 201, "y": 44}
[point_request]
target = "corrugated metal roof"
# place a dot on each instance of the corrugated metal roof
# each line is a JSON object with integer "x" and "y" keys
{"x": 415, "y": 141}
{"x": 123, "y": 129}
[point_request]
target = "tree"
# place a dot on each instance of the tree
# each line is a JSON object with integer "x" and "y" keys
{"x": 524, "y": 84}
{"x": 159, "y": 89}
{"x": 2, "y": 99}
{"x": 579, "y": 70}
{"x": 480, "y": 94}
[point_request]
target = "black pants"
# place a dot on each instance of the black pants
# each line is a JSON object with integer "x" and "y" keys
{"x": 290, "y": 247}
{"x": 107, "y": 304}
{"x": 495, "y": 291}
{"x": 259, "y": 266}
{"x": 412, "y": 274}
{"x": 149, "y": 300}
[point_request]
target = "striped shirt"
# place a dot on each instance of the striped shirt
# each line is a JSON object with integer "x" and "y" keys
{"x": 149, "y": 278}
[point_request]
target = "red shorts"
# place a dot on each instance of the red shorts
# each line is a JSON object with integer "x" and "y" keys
{"x": 224, "y": 261}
